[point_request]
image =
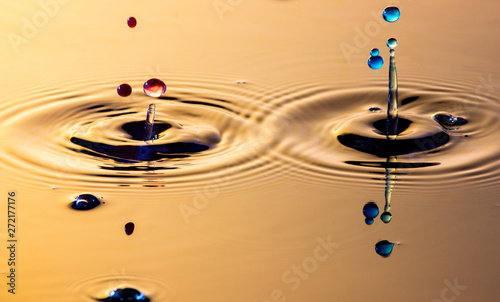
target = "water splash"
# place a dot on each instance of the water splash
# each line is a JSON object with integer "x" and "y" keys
{"x": 392, "y": 107}
{"x": 84, "y": 202}
{"x": 391, "y": 14}
{"x": 125, "y": 294}
{"x": 150, "y": 120}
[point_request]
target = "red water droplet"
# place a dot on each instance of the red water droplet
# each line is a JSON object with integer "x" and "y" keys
{"x": 124, "y": 90}
{"x": 132, "y": 22}
{"x": 129, "y": 228}
{"x": 154, "y": 87}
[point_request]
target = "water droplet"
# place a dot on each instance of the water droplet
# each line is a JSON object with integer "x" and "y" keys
{"x": 129, "y": 228}
{"x": 154, "y": 88}
{"x": 370, "y": 210}
{"x": 384, "y": 248}
{"x": 375, "y": 62}
{"x": 391, "y": 14}
{"x": 448, "y": 120}
{"x": 85, "y": 202}
{"x": 374, "y": 52}
{"x": 125, "y": 294}
{"x": 369, "y": 221}
{"x": 392, "y": 43}
{"x": 374, "y": 109}
{"x": 386, "y": 217}
{"x": 131, "y": 22}
{"x": 124, "y": 90}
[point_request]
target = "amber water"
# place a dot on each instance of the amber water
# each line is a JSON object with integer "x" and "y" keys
{"x": 246, "y": 193}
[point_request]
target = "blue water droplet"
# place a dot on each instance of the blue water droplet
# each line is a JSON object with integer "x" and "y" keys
{"x": 448, "y": 120}
{"x": 392, "y": 43}
{"x": 369, "y": 221}
{"x": 375, "y": 62}
{"x": 386, "y": 217}
{"x": 125, "y": 294}
{"x": 85, "y": 202}
{"x": 374, "y": 52}
{"x": 370, "y": 210}
{"x": 391, "y": 14}
{"x": 384, "y": 248}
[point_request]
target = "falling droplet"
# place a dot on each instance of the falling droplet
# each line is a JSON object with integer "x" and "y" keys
{"x": 374, "y": 52}
{"x": 392, "y": 43}
{"x": 129, "y": 228}
{"x": 375, "y": 62}
{"x": 369, "y": 221}
{"x": 384, "y": 248}
{"x": 391, "y": 14}
{"x": 125, "y": 294}
{"x": 154, "y": 88}
{"x": 374, "y": 109}
{"x": 85, "y": 202}
{"x": 131, "y": 22}
{"x": 370, "y": 210}
{"x": 124, "y": 90}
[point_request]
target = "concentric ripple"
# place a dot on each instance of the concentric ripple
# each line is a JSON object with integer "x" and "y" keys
{"x": 82, "y": 133}
{"x": 317, "y": 118}
{"x": 101, "y": 287}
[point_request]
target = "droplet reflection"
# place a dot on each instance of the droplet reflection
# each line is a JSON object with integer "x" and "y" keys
{"x": 125, "y": 294}
{"x": 129, "y": 228}
{"x": 85, "y": 202}
{"x": 384, "y": 248}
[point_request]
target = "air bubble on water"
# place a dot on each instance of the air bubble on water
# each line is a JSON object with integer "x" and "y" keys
{"x": 370, "y": 210}
{"x": 391, "y": 14}
{"x": 124, "y": 90}
{"x": 154, "y": 87}
{"x": 374, "y": 52}
{"x": 374, "y": 109}
{"x": 131, "y": 22}
{"x": 125, "y": 294}
{"x": 129, "y": 228}
{"x": 384, "y": 248}
{"x": 85, "y": 202}
{"x": 392, "y": 43}
{"x": 448, "y": 120}
{"x": 375, "y": 62}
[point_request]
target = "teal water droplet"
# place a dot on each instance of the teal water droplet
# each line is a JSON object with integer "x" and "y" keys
{"x": 370, "y": 210}
{"x": 375, "y": 62}
{"x": 392, "y": 43}
{"x": 384, "y": 248}
{"x": 374, "y": 52}
{"x": 386, "y": 217}
{"x": 391, "y": 14}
